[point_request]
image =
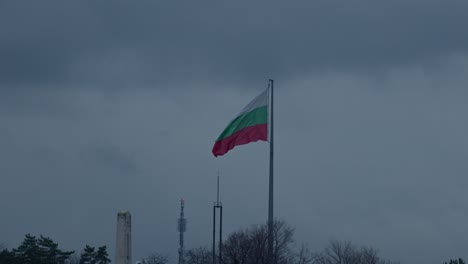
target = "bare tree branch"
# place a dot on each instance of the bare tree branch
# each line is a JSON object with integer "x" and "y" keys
{"x": 156, "y": 258}
{"x": 200, "y": 255}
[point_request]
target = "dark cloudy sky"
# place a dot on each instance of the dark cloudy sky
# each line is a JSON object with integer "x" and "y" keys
{"x": 114, "y": 105}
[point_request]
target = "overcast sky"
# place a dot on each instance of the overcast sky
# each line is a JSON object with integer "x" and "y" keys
{"x": 115, "y": 105}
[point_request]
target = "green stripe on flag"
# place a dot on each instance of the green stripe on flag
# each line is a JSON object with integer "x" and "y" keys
{"x": 255, "y": 117}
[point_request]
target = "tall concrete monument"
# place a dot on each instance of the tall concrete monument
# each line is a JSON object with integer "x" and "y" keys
{"x": 123, "y": 250}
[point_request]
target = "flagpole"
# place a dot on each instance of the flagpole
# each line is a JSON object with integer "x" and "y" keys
{"x": 271, "y": 259}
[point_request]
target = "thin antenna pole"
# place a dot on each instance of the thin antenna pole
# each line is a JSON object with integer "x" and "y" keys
{"x": 220, "y": 206}
{"x": 220, "y": 234}
{"x": 270, "y": 190}
{"x": 214, "y": 235}
{"x": 217, "y": 194}
{"x": 216, "y": 205}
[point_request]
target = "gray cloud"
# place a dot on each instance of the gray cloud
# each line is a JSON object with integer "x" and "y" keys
{"x": 44, "y": 42}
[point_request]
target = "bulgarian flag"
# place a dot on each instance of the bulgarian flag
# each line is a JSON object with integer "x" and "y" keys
{"x": 250, "y": 125}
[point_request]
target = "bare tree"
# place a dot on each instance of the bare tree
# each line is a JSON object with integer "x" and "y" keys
{"x": 238, "y": 247}
{"x": 342, "y": 253}
{"x": 370, "y": 256}
{"x": 346, "y": 253}
{"x": 304, "y": 256}
{"x": 250, "y": 245}
{"x": 156, "y": 258}
{"x": 200, "y": 255}
{"x": 283, "y": 236}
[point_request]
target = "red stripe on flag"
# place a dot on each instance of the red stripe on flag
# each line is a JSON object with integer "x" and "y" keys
{"x": 241, "y": 137}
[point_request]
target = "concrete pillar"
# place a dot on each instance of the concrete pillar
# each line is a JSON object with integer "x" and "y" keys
{"x": 123, "y": 250}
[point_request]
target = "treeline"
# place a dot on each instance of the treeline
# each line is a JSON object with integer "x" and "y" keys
{"x": 455, "y": 261}
{"x": 246, "y": 246}
{"x": 44, "y": 250}
{"x": 249, "y": 246}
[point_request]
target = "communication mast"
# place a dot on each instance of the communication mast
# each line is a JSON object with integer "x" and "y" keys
{"x": 181, "y": 227}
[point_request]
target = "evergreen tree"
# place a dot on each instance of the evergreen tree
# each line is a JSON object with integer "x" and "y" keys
{"x": 49, "y": 252}
{"x": 28, "y": 252}
{"x": 88, "y": 255}
{"x": 8, "y": 257}
{"x": 456, "y": 261}
{"x": 102, "y": 256}
{"x": 39, "y": 251}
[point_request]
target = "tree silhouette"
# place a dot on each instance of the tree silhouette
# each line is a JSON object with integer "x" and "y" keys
{"x": 28, "y": 251}
{"x": 156, "y": 258}
{"x": 49, "y": 252}
{"x": 455, "y": 261}
{"x": 88, "y": 255}
{"x": 250, "y": 245}
{"x": 39, "y": 251}
{"x": 200, "y": 255}
{"x": 102, "y": 256}
{"x": 8, "y": 257}
{"x": 347, "y": 253}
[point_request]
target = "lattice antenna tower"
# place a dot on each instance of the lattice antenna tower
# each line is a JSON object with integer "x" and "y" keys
{"x": 181, "y": 228}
